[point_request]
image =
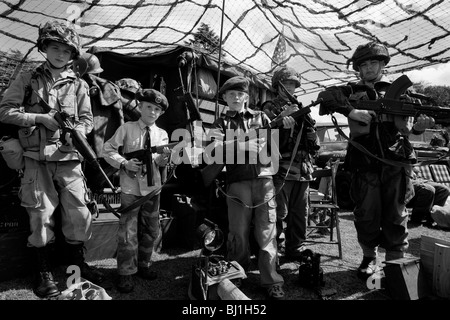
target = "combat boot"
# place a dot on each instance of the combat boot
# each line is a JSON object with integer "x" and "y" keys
{"x": 367, "y": 267}
{"x": 76, "y": 257}
{"x": 44, "y": 283}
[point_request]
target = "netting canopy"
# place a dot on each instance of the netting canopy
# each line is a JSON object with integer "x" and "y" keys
{"x": 313, "y": 36}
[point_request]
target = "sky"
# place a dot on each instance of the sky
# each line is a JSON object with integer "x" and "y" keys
{"x": 438, "y": 75}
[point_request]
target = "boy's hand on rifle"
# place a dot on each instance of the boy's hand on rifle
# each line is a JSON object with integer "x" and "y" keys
{"x": 288, "y": 122}
{"x": 289, "y": 110}
{"x": 364, "y": 116}
{"x": 423, "y": 122}
{"x": 162, "y": 159}
{"x": 253, "y": 146}
{"x": 68, "y": 139}
{"x": 133, "y": 165}
{"x": 48, "y": 121}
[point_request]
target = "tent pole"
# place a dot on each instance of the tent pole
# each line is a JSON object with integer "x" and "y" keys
{"x": 216, "y": 113}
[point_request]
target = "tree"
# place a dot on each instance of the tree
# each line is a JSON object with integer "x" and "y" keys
{"x": 440, "y": 95}
{"x": 205, "y": 39}
{"x": 11, "y": 64}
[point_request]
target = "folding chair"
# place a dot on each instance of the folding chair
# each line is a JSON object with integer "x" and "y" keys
{"x": 323, "y": 204}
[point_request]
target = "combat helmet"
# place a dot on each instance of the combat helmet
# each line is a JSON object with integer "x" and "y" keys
{"x": 129, "y": 85}
{"x": 371, "y": 50}
{"x": 285, "y": 73}
{"x": 60, "y": 32}
{"x": 87, "y": 63}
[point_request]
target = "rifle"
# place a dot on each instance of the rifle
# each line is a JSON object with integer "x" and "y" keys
{"x": 309, "y": 120}
{"x": 145, "y": 156}
{"x": 211, "y": 171}
{"x": 188, "y": 100}
{"x": 140, "y": 154}
{"x": 391, "y": 104}
{"x": 79, "y": 141}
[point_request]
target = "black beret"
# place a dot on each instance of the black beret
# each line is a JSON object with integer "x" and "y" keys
{"x": 153, "y": 96}
{"x": 237, "y": 83}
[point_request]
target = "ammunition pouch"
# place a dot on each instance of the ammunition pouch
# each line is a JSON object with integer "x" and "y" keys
{"x": 30, "y": 138}
{"x": 12, "y": 152}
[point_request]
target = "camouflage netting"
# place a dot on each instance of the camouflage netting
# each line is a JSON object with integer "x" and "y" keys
{"x": 318, "y": 36}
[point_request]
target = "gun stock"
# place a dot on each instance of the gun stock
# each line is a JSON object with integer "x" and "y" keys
{"x": 211, "y": 171}
{"x": 194, "y": 113}
{"x": 171, "y": 146}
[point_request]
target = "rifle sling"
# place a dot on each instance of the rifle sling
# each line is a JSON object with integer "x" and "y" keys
{"x": 386, "y": 161}
{"x": 138, "y": 202}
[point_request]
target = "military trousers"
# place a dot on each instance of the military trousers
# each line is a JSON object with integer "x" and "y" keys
{"x": 44, "y": 187}
{"x": 138, "y": 230}
{"x": 257, "y": 192}
{"x": 380, "y": 199}
{"x": 293, "y": 209}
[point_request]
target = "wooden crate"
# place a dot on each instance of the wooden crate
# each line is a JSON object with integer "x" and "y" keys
{"x": 14, "y": 232}
{"x": 429, "y": 246}
{"x": 103, "y": 243}
{"x": 168, "y": 232}
{"x": 404, "y": 281}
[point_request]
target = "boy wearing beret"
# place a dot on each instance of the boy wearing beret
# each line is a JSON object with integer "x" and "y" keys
{"x": 249, "y": 187}
{"x": 139, "y": 227}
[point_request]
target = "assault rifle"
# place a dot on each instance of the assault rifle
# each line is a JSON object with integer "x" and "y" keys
{"x": 211, "y": 171}
{"x": 391, "y": 104}
{"x": 308, "y": 119}
{"x": 139, "y": 154}
{"x": 79, "y": 141}
{"x": 145, "y": 156}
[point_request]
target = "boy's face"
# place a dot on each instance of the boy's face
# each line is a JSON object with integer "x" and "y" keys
{"x": 59, "y": 54}
{"x": 150, "y": 112}
{"x": 235, "y": 99}
{"x": 289, "y": 85}
{"x": 371, "y": 70}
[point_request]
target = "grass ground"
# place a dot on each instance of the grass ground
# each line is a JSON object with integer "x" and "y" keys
{"x": 174, "y": 269}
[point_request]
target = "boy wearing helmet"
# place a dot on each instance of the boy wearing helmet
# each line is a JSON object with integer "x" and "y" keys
{"x": 52, "y": 175}
{"x": 381, "y": 174}
{"x": 106, "y": 105}
{"x": 292, "y": 199}
{"x": 128, "y": 88}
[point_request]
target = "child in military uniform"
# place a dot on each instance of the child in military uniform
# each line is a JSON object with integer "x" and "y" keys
{"x": 249, "y": 185}
{"x": 139, "y": 227}
{"x": 52, "y": 174}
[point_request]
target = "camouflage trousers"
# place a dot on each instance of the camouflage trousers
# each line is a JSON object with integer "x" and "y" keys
{"x": 138, "y": 230}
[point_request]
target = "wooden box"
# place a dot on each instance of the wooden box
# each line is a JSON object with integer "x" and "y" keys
{"x": 103, "y": 243}
{"x": 168, "y": 231}
{"x": 189, "y": 216}
{"x": 435, "y": 261}
{"x": 14, "y": 232}
{"x": 404, "y": 281}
